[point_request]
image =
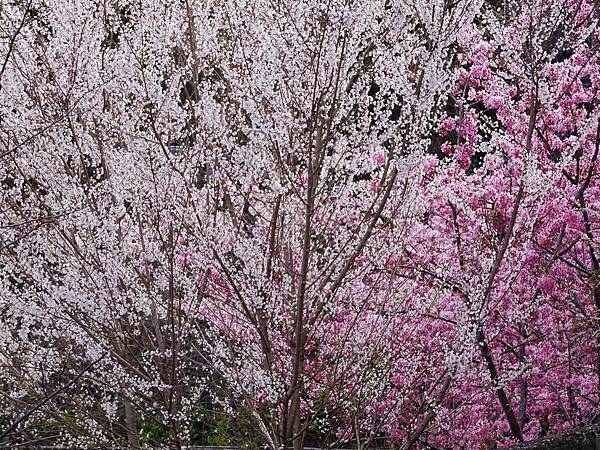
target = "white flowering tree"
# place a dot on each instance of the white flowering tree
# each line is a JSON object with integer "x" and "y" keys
{"x": 205, "y": 200}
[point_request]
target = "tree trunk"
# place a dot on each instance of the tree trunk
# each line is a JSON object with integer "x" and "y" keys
{"x": 133, "y": 437}
{"x": 500, "y": 393}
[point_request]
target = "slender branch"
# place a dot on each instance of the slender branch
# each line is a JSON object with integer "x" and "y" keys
{"x": 41, "y": 403}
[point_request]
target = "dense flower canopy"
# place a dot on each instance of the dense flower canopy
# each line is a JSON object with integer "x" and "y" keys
{"x": 281, "y": 223}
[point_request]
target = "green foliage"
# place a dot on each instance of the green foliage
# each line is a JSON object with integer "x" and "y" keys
{"x": 212, "y": 426}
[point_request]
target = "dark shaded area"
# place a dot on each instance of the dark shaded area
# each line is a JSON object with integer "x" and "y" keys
{"x": 587, "y": 438}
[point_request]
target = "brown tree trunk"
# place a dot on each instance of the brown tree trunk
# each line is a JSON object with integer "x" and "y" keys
{"x": 133, "y": 437}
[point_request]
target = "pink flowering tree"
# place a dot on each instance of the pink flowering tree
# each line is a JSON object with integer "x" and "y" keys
{"x": 509, "y": 214}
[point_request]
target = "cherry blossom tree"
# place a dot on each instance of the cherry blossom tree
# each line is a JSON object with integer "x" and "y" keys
{"x": 365, "y": 223}
{"x": 511, "y": 216}
{"x": 200, "y": 199}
